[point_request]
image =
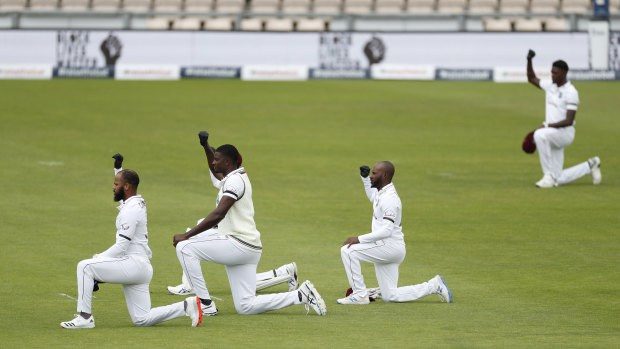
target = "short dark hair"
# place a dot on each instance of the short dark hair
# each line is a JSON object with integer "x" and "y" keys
{"x": 229, "y": 151}
{"x": 131, "y": 177}
{"x": 561, "y": 65}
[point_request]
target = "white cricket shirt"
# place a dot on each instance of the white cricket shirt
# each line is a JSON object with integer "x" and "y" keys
{"x": 239, "y": 220}
{"x": 386, "y": 215}
{"x": 558, "y": 100}
{"x": 131, "y": 233}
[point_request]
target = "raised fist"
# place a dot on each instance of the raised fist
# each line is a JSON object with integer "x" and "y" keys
{"x": 364, "y": 171}
{"x": 530, "y": 54}
{"x": 204, "y": 137}
{"x": 118, "y": 160}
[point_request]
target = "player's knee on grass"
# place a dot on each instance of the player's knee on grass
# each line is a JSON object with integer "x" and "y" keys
{"x": 245, "y": 307}
{"x": 140, "y": 321}
{"x": 388, "y": 296}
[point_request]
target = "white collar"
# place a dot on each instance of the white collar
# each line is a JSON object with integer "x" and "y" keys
{"x": 239, "y": 170}
{"x": 386, "y": 188}
{"x": 124, "y": 202}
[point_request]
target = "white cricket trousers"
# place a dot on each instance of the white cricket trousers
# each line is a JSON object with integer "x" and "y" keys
{"x": 550, "y": 143}
{"x": 386, "y": 255}
{"x": 240, "y": 266}
{"x": 134, "y": 273}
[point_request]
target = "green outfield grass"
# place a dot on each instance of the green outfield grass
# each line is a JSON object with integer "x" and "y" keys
{"x": 527, "y": 267}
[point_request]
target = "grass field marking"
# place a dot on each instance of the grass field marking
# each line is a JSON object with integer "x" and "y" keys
{"x": 51, "y": 163}
{"x": 70, "y": 297}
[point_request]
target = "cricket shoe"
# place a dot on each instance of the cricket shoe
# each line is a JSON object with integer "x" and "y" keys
{"x": 180, "y": 290}
{"x": 291, "y": 269}
{"x": 595, "y": 167}
{"x": 193, "y": 309}
{"x": 546, "y": 182}
{"x": 441, "y": 289}
{"x": 79, "y": 322}
{"x": 209, "y": 310}
{"x": 309, "y": 296}
{"x": 354, "y": 298}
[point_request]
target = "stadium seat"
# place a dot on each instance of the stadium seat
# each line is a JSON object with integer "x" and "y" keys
{"x": 389, "y": 6}
{"x": 420, "y": 6}
{"x": 327, "y": 7}
{"x": 105, "y": 5}
{"x": 159, "y": 23}
{"x": 265, "y": 6}
{"x": 192, "y": 6}
{"x": 12, "y": 5}
{"x": 544, "y": 6}
{"x": 43, "y": 5}
{"x": 482, "y": 6}
{"x": 357, "y": 6}
{"x": 219, "y": 24}
{"x": 555, "y": 24}
{"x": 75, "y": 5}
{"x": 576, "y": 6}
{"x": 279, "y": 25}
{"x": 497, "y": 24}
{"x": 188, "y": 23}
{"x": 251, "y": 24}
{"x": 515, "y": 7}
{"x": 167, "y": 5}
{"x": 528, "y": 25}
{"x": 137, "y": 5}
{"x": 301, "y": 7}
{"x": 311, "y": 25}
{"x": 229, "y": 6}
{"x": 451, "y": 6}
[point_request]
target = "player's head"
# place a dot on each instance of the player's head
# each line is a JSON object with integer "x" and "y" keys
{"x": 559, "y": 69}
{"x": 125, "y": 184}
{"x": 382, "y": 174}
{"x": 226, "y": 159}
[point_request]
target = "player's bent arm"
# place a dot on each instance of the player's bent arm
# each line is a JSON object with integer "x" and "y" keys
{"x": 209, "y": 222}
{"x": 384, "y": 231}
{"x": 570, "y": 119}
{"x": 370, "y": 192}
{"x": 531, "y": 76}
{"x": 126, "y": 230}
{"x": 217, "y": 183}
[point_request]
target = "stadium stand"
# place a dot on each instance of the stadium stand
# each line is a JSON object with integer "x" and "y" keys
{"x": 516, "y": 7}
{"x": 311, "y": 25}
{"x": 482, "y": 6}
{"x": 167, "y": 5}
{"x": 218, "y": 24}
{"x": 420, "y": 6}
{"x": 44, "y": 5}
{"x": 187, "y": 23}
{"x": 75, "y": 5}
{"x": 105, "y": 5}
{"x": 389, "y": 6}
{"x": 528, "y": 25}
{"x": 497, "y": 24}
{"x": 555, "y": 24}
{"x": 279, "y": 24}
{"x": 314, "y": 15}
{"x": 202, "y": 6}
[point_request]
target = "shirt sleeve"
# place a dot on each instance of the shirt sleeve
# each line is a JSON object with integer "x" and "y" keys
{"x": 572, "y": 100}
{"x": 545, "y": 84}
{"x": 386, "y": 226}
{"x": 370, "y": 192}
{"x": 126, "y": 229}
{"x": 234, "y": 187}
{"x": 216, "y": 182}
